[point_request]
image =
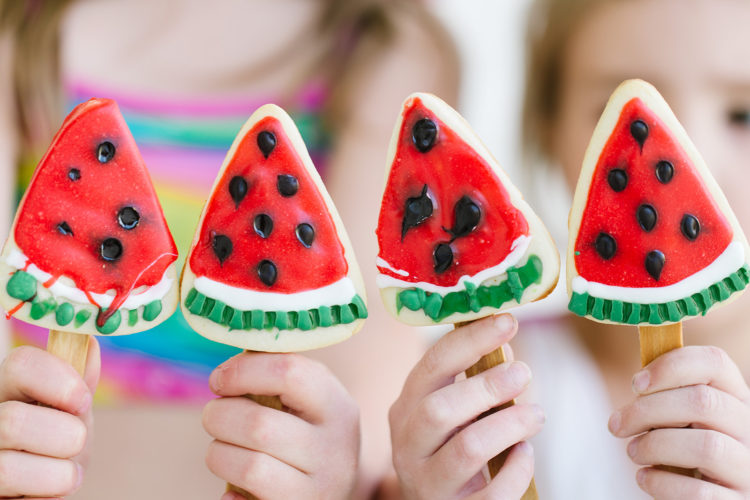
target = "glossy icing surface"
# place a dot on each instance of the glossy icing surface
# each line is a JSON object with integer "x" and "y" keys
{"x": 272, "y": 231}
{"x": 91, "y": 213}
{"x": 445, "y": 214}
{"x": 649, "y": 220}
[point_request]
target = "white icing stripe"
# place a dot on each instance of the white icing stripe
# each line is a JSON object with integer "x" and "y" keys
{"x": 730, "y": 260}
{"x": 337, "y": 293}
{"x": 381, "y": 262}
{"x": 18, "y": 260}
{"x": 518, "y": 249}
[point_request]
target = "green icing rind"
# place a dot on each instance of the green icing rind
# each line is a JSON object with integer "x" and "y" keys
{"x": 21, "y": 286}
{"x": 473, "y": 298}
{"x": 306, "y": 320}
{"x": 656, "y": 314}
{"x": 152, "y": 310}
{"x": 64, "y": 314}
{"x": 81, "y": 317}
{"x": 111, "y": 325}
{"x": 132, "y": 317}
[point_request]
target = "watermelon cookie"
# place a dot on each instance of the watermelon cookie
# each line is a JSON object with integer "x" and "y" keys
{"x": 271, "y": 267}
{"x": 457, "y": 241}
{"x": 652, "y": 239}
{"x": 89, "y": 250}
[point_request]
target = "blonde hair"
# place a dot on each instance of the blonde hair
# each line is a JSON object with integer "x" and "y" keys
{"x": 351, "y": 33}
{"x": 551, "y": 24}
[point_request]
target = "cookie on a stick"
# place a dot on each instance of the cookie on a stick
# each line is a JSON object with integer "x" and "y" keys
{"x": 89, "y": 252}
{"x": 653, "y": 241}
{"x": 271, "y": 267}
{"x": 457, "y": 242}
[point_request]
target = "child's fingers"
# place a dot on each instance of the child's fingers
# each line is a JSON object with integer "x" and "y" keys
{"x": 304, "y": 385}
{"x": 692, "y": 365}
{"x": 245, "y": 423}
{"x": 670, "y": 486}
{"x": 25, "y": 474}
{"x": 455, "y": 352}
{"x": 469, "y": 450}
{"x": 30, "y": 374}
{"x": 714, "y": 454}
{"x": 698, "y": 404}
{"x": 453, "y": 406}
{"x": 40, "y": 430}
{"x": 514, "y": 476}
{"x": 258, "y": 473}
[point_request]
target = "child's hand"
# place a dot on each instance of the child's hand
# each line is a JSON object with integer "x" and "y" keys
{"x": 41, "y": 447}
{"x": 439, "y": 451}
{"x": 692, "y": 411}
{"x": 310, "y": 452}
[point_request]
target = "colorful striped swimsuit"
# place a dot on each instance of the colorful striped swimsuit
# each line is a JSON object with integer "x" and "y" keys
{"x": 183, "y": 144}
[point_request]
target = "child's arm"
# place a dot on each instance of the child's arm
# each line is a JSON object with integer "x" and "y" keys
{"x": 692, "y": 411}
{"x": 439, "y": 451}
{"x": 310, "y": 452}
{"x": 42, "y": 448}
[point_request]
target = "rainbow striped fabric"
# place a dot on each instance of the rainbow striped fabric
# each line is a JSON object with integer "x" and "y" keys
{"x": 183, "y": 142}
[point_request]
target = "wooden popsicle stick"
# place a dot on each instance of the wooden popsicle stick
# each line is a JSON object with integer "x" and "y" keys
{"x": 70, "y": 347}
{"x": 273, "y": 402}
{"x": 655, "y": 341}
{"x": 488, "y": 361}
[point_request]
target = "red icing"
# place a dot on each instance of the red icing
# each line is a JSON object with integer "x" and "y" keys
{"x": 298, "y": 268}
{"x": 13, "y": 311}
{"x": 615, "y": 213}
{"x": 451, "y": 170}
{"x": 90, "y": 206}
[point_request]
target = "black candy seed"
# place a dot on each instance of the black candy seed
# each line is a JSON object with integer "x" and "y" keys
{"x": 442, "y": 257}
{"x": 267, "y": 272}
{"x": 605, "y": 246}
{"x": 655, "y": 263}
{"x": 664, "y": 171}
{"x": 690, "y": 227}
{"x": 423, "y": 134}
{"x": 466, "y": 214}
{"x": 646, "y": 215}
{"x": 305, "y": 234}
{"x": 237, "y": 189}
{"x": 263, "y": 225}
{"x": 64, "y": 228}
{"x": 74, "y": 174}
{"x": 618, "y": 179}
{"x": 287, "y": 185}
{"x": 111, "y": 249}
{"x": 128, "y": 217}
{"x": 105, "y": 151}
{"x": 266, "y": 142}
{"x": 222, "y": 247}
{"x": 639, "y": 131}
{"x": 416, "y": 211}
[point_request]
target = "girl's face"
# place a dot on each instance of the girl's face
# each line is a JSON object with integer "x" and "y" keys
{"x": 696, "y": 52}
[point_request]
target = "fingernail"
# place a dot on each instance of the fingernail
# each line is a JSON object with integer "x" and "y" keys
{"x": 640, "y": 476}
{"x": 519, "y": 372}
{"x": 525, "y": 448}
{"x": 641, "y": 381}
{"x": 214, "y": 380}
{"x": 632, "y": 448}
{"x": 79, "y": 477}
{"x": 504, "y": 322}
{"x": 85, "y": 403}
{"x": 539, "y": 414}
{"x": 614, "y": 422}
